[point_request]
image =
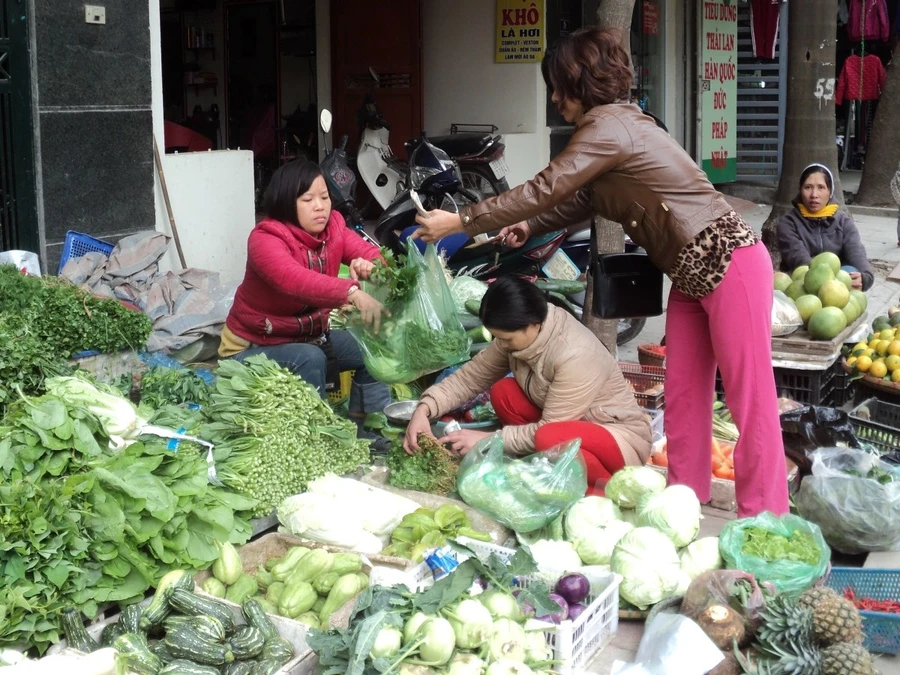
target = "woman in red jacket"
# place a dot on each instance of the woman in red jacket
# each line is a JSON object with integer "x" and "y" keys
{"x": 291, "y": 284}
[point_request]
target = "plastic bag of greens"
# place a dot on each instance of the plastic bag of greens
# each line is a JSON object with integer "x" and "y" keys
{"x": 787, "y": 551}
{"x": 526, "y": 493}
{"x": 422, "y": 334}
{"x": 854, "y": 497}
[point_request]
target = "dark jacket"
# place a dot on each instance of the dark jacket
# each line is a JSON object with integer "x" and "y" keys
{"x": 620, "y": 165}
{"x": 801, "y": 239}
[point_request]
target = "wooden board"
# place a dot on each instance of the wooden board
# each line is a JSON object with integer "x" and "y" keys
{"x": 802, "y": 344}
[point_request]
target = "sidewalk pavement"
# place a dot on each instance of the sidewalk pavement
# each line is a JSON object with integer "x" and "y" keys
{"x": 879, "y": 236}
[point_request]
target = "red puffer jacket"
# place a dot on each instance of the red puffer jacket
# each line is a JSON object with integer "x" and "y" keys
{"x": 291, "y": 283}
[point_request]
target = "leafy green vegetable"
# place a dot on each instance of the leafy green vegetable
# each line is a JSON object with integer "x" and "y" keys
{"x": 162, "y": 386}
{"x": 770, "y": 546}
{"x": 274, "y": 434}
{"x": 393, "y": 273}
{"x": 425, "y": 529}
{"x": 432, "y": 469}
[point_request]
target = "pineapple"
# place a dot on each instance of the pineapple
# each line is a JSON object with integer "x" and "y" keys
{"x": 787, "y": 659}
{"x": 785, "y": 623}
{"x": 847, "y": 659}
{"x": 835, "y": 620}
{"x": 814, "y": 596}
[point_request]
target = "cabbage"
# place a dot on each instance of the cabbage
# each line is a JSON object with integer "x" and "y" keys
{"x": 630, "y": 483}
{"x": 589, "y": 513}
{"x": 466, "y": 288}
{"x": 595, "y": 546}
{"x": 700, "y": 556}
{"x": 555, "y": 555}
{"x": 649, "y": 565}
{"x": 629, "y": 516}
{"x": 675, "y": 512}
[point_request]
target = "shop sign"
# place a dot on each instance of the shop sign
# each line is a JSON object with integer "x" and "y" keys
{"x": 520, "y": 31}
{"x": 718, "y": 90}
{"x": 651, "y": 18}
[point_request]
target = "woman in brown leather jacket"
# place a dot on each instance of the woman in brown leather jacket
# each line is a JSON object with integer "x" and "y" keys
{"x": 620, "y": 165}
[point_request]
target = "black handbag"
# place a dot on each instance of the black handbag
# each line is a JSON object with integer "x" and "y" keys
{"x": 626, "y": 285}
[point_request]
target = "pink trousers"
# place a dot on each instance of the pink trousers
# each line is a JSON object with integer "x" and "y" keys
{"x": 730, "y": 328}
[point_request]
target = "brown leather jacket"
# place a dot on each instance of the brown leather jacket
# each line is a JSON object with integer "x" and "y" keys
{"x": 567, "y": 373}
{"x": 620, "y": 165}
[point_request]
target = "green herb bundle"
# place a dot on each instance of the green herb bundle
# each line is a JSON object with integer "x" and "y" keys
{"x": 432, "y": 469}
{"x": 83, "y": 525}
{"x": 274, "y": 434}
{"x": 162, "y": 386}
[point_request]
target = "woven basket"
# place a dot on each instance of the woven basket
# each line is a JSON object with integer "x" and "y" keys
{"x": 646, "y": 357}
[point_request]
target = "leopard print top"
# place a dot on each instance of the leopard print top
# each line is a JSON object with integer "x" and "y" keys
{"x": 702, "y": 264}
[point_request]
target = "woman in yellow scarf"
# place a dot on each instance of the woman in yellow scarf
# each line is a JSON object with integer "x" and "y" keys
{"x": 816, "y": 225}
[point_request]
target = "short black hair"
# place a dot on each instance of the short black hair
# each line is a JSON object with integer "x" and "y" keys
{"x": 286, "y": 185}
{"x": 512, "y": 303}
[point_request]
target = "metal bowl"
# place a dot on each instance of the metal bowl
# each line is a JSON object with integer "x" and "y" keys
{"x": 401, "y": 412}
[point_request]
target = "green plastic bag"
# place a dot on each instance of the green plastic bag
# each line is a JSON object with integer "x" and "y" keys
{"x": 526, "y": 493}
{"x": 422, "y": 335}
{"x": 788, "y": 576}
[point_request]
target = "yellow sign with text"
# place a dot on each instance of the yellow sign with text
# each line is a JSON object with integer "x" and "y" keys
{"x": 520, "y": 31}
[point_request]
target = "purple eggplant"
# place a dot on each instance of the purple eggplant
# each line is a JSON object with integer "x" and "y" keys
{"x": 573, "y": 587}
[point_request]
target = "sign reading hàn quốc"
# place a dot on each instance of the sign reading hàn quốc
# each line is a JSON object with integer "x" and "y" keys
{"x": 520, "y": 31}
{"x": 718, "y": 90}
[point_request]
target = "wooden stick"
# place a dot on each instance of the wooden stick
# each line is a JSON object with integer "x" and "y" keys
{"x": 165, "y": 190}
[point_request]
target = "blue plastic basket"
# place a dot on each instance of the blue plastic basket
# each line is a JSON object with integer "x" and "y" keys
{"x": 77, "y": 244}
{"x": 882, "y": 630}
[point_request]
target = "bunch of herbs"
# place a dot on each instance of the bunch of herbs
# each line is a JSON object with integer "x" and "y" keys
{"x": 432, "y": 469}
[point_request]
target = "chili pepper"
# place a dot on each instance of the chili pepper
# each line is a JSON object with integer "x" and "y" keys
{"x": 872, "y": 605}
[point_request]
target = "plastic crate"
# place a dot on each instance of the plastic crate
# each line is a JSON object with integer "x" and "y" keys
{"x": 657, "y": 426}
{"x": 881, "y": 629}
{"x": 843, "y": 386}
{"x": 882, "y": 428}
{"x": 574, "y": 643}
{"x": 641, "y": 378}
{"x": 342, "y": 391}
{"x": 810, "y": 387}
{"x": 77, "y": 244}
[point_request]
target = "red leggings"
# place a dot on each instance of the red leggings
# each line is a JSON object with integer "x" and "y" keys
{"x": 601, "y": 453}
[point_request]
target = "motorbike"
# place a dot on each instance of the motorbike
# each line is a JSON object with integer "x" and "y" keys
{"x": 341, "y": 180}
{"x": 436, "y": 183}
{"x": 481, "y": 158}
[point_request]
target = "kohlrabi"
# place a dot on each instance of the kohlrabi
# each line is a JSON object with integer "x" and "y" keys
{"x": 465, "y": 664}
{"x": 412, "y": 625}
{"x": 501, "y": 605}
{"x": 432, "y": 645}
{"x": 387, "y": 643}
{"x": 471, "y": 622}
{"x": 508, "y": 667}
{"x": 536, "y": 648}
{"x": 508, "y": 641}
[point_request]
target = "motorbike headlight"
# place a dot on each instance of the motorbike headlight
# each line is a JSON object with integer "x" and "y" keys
{"x": 419, "y": 174}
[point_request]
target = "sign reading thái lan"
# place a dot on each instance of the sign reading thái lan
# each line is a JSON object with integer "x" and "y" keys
{"x": 718, "y": 90}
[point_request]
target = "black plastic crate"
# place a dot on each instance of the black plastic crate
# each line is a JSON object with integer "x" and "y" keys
{"x": 812, "y": 387}
{"x": 843, "y": 386}
{"x": 882, "y": 427}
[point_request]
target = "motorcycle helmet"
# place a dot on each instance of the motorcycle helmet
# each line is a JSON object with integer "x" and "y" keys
{"x": 430, "y": 168}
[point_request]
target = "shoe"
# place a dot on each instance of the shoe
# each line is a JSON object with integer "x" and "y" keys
{"x": 378, "y": 445}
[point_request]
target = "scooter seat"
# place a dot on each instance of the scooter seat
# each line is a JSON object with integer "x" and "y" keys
{"x": 581, "y": 235}
{"x": 456, "y": 145}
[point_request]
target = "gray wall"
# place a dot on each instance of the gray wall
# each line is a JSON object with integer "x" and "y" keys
{"x": 95, "y": 142}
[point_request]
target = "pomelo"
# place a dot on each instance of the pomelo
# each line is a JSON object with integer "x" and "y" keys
{"x": 799, "y": 273}
{"x": 827, "y": 323}
{"x": 817, "y": 276}
{"x": 795, "y": 290}
{"x": 834, "y": 294}
{"x": 845, "y": 279}
{"x": 862, "y": 300}
{"x": 807, "y": 305}
{"x": 782, "y": 281}
{"x": 827, "y": 258}
{"x": 851, "y": 311}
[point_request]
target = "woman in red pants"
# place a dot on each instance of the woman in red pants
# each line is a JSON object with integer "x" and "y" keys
{"x": 565, "y": 385}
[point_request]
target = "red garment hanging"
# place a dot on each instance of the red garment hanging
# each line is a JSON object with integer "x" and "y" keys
{"x": 862, "y": 79}
{"x": 868, "y": 20}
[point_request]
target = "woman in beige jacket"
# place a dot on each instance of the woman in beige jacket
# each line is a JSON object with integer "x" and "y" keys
{"x": 565, "y": 385}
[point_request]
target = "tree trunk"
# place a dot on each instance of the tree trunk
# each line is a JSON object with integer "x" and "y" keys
{"x": 809, "y": 118}
{"x": 614, "y": 14}
{"x": 881, "y": 154}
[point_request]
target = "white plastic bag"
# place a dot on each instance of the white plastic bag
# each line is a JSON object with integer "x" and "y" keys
{"x": 26, "y": 261}
{"x": 672, "y": 645}
{"x": 785, "y": 316}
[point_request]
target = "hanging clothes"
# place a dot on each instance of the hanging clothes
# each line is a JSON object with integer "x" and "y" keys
{"x": 868, "y": 20}
{"x": 843, "y": 12}
{"x": 764, "y": 16}
{"x": 862, "y": 79}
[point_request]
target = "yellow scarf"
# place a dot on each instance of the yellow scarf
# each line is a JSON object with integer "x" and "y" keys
{"x": 825, "y": 212}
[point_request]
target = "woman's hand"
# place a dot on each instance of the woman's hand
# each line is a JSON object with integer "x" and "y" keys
{"x": 464, "y": 440}
{"x": 856, "y": 278}
{"x": 516, "y": 235}
{"x": 437, "y": 225}
{"x": 418, "y": 424}
{"x": 369, "y": 308}
{"x": 360, "y": 268}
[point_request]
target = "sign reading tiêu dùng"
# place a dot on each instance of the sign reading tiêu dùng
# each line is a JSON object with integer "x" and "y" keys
{"x": 718, "y": 90}
{"x": 520, "y": 31}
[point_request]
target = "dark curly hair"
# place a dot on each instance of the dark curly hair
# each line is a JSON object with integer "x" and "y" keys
{"x": 589, "y": 65}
